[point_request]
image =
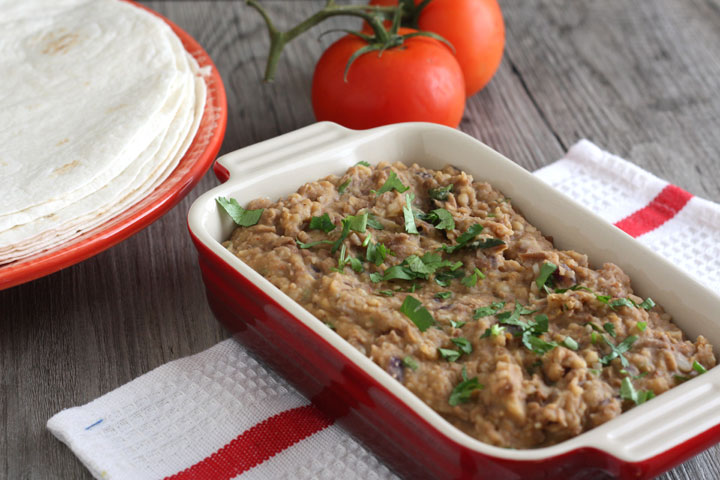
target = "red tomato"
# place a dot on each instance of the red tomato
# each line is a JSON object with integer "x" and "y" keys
{"x": 476, "y": 30}
{"x": 419, "y": 81}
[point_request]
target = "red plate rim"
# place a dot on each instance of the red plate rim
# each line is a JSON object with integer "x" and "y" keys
{"x": 193, "y": 165}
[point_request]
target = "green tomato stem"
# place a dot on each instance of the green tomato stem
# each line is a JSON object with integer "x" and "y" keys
{"x": 279, "y": 39}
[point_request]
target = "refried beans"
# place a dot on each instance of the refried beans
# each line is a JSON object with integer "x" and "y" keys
{"x": 441, "y": 282}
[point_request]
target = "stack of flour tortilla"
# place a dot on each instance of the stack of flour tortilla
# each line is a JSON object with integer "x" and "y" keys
{"x": 98, "y": 103}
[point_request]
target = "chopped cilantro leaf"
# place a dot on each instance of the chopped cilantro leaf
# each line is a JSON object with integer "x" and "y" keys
{"x": 610, "y": 328}
{"x": 445, "y": 277}
{"x": 621, "y": 302}
{"x": 491, "y": 309}
{"x": 312, "y": 244}
{"x": 376, "y": 277}
{"x": 538, "y": 345}
{"x": 343, "y": 186}
{"x": 392, "y": 182}
{"x": 681, "y": 378}
{"x": 241, "y": 216}
{"x": 356, "y": 264}
{"x": 455, "y": 324}
{"x": 463, "y": 344}
{"x": 486, "y": 243}
{"x": 440, "y": 218}
{"x": 408, "y": 214}
{"x": 495, "y": 330}
{"x": 463, "y": 391}
{"x": 322, "y": 223}
{"x": 376, "y": 253}
{"x": 386, "y": 293}
{"x": 594, "y": 337}
{"x": 358, "y": 223}
{"x": 628, "y": 392}
{"x": 595, "y": 371}
{"x": 603, "y": 298}
{"x": 574, "y": 288}
{"x": 440, "y": 193}
{"x": 647, "y": 304}
{"x": 373, "y": 223}
{"x": 363, "y": 163}
{"x": 414, "y": 310}
{"x": 570, "y": 343}
{"x": 443, "y": 295}
{"x": 618, "y": 351}
{"x": 547, "y": 269}
{"x": 449, "y": 354}
{"x": 410, "y": 362}
{"x": 641, "y": 326}
{"x": 463, "y": 239}
{"x": 471, "y": 280}
{"x": 698, "y": 367}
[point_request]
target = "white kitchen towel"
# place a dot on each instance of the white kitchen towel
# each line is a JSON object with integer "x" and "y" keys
{"x": 222, "y": 415}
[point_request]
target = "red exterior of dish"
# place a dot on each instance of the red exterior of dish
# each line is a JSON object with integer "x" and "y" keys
{"x": 398, "y": 435}
{"x": 150, "y": 208}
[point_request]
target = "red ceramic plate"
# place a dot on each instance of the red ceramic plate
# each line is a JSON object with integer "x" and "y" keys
{"x": 192, "y": 167}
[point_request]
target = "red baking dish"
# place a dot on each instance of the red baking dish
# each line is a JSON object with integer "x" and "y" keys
{"x": 404, "y": 432}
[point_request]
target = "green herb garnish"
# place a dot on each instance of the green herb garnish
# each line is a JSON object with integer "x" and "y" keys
{"x": 410, "y": 362}
{"x": 618, "y": 351}
{"x": 363, "y": 163}
{"x": 491, "y": 309}
{"x": 312, "y": 244}
{"x": 641, "y": 326}
{"x": 471, "y": 280}
{"x": 322, "y": 223}
{"x": 440, "y": 218}
{"x": 387, "y": 293}
{"x": 698, "y": 367}
{"x": 464, "y": 390}
{"x": 455, "y": 324}
{"x": 241, "y": 216}
{"x": 463, "y": 344}
{"x": 414, "y": 310}
{"x": 464, "y": 238}
{"x": 449, "y": 354}
{"x": 622, "y": 302}
{"x": 330, "y": 325}
{"x": 495, "y": 330}
{"x": 443, "y": 295}
{"x": 570, "y": 343}
{"x": 410, "y": 226}
{"x": 373, "y": 223}
{"x": 392, "y": 182}
{"x": 610, "y": 328}
{"x": 343, "y": 186}
{"x": 647, "y": 304}
{"x": 440, "y": 193}
{"x": 547, "y": 269}
{"x": 628, "y": 392}
{"x": 376, "y": 253}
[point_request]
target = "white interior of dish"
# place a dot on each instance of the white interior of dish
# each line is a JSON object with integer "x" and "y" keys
{"x": 278, "y": 167}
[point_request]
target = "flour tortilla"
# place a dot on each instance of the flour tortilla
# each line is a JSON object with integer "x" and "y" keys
{"x": 88, "y": 213}
{"x": 102, "y": 102}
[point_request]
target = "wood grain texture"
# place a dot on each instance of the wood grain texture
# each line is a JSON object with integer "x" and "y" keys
{"x": 638, "y": 78}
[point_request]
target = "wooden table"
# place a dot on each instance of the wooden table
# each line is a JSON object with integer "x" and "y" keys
{"x": 640, "y": 79}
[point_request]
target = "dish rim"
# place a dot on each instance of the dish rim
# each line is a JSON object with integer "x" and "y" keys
{"x": 155, "y": 204}
{"x": 318, "y": 140}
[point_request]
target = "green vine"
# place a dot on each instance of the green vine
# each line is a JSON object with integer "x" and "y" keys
{"x": 406, "y": 13}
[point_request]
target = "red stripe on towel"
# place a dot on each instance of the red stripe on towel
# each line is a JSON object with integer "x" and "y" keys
{"x": 257, "y": 444}
{"x": 662, "y": 208}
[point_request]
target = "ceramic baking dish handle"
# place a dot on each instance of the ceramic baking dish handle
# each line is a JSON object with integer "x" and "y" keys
{"x": 277, "y": 151}
{"x": 678, "y": 415}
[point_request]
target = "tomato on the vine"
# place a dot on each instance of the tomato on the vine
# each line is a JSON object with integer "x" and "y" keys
{"x": 474, "y": 27}
{"x": 419, "y": 80}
